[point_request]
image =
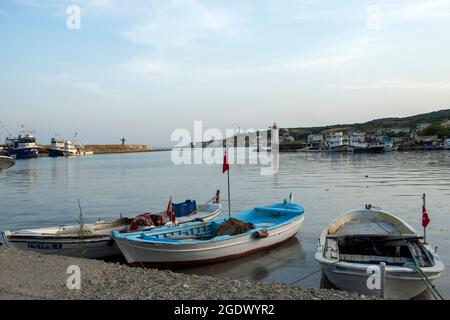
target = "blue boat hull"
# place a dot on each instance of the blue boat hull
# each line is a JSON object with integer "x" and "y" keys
{"x": 24, "y": 153}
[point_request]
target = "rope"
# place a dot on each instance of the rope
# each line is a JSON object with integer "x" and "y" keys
{"x": 312, "y": 273}
{"x": 422, "y": 275}
{"x": 202, "y": 206}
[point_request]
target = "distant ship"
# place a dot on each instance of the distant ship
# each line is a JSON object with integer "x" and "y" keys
{"x": 66, "y": 148}
{"x": 56, "y": 148}
{"x": 22, "y": 147}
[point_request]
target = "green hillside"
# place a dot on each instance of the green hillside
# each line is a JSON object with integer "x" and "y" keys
{"x": 385, "y": 123}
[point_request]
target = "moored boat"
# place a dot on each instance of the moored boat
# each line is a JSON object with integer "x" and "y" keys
{"x": 360, "y": 240}
{"x": 22, "y": 147}
{"x": 6, "y": 162}
{"x": 94, "y": 240}
{"x": 200, "y": 243}
{"x": 56, "y": 148}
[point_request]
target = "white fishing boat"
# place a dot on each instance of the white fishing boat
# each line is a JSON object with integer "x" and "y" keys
{"x": 6, "y": 162}
{"x": 94, "y": 240}
{"x": 357, "y": 242}
{"x": 88, "y": 241}
{"x": 69, "y": 149}
{"x": 200, "y": 243}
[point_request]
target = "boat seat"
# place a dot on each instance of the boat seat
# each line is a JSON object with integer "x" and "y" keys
{"x": 374, "y": 259}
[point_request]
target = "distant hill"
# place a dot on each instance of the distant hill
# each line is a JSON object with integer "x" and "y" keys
{"x": 385, "y": 123}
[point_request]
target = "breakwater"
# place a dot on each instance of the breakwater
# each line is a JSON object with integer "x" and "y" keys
{"x": 118, "y": 148}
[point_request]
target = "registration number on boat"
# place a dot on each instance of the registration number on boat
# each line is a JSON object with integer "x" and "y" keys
{"x": 45, "y": 245}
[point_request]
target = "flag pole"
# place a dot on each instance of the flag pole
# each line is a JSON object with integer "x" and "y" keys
{"x": 229, "y": 199}
{"x": 424, "y": 228}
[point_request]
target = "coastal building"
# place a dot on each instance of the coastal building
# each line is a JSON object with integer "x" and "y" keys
{"x": 337, "y": 139}
{"x": 446, "y": 123}
{"x": 315, "y": 138}
{"x": 422, "y": 126}
{"x": 358, "y": 140}
{"x": 398, "y": 131}
{"x": 287, "y": 139}
{"x": 426, "y": 139}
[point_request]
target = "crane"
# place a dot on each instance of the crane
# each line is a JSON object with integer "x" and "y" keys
{"x": 7, "y": 133}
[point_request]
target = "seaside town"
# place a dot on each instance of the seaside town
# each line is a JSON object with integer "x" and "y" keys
{"x": 422, "y": 136}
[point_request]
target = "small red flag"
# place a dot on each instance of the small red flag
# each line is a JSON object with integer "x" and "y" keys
{"x": 170, "y": 212}
{"x": 425, "y": 217}
{"x": 226, "y": 166}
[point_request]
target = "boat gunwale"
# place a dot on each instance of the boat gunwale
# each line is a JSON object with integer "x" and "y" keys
{"x": 394, "y": 272}
{"x": 245, "y": 237}
{"x": 133, "y": 237}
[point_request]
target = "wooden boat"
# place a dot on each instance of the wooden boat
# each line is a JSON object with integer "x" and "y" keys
{"x": 6, "y": 162}
{"x": 357, "y": 241}
{"x": 92, "y": 240}
{"x": 200, "y": 243}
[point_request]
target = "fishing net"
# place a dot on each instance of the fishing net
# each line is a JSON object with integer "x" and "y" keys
{"x": 233, "y": 227}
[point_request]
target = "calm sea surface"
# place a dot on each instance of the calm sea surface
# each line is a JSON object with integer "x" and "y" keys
{"x": 44, "y": 192}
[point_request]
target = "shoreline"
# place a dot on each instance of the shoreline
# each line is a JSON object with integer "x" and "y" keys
{"x": 28, "y": 275}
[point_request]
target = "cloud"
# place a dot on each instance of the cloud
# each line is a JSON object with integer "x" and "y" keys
{"x": 398, "y": 85}
{"x": 180, "y": 23}
{"x": 86, "y": 86}
{"x": 147, "y": 66}
{"x": 415, "y": 10}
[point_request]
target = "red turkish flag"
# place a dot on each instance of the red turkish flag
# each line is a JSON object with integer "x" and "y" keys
{"x": 226, "y": 166}
{"x": 425, "y": 217}
{"x": 170, "y": 212}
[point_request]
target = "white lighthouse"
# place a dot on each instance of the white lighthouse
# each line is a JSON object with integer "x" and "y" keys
{"x": 275, "y": 137}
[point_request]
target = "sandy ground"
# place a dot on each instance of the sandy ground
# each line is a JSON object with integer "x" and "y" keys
{"x": 27, "y": 275}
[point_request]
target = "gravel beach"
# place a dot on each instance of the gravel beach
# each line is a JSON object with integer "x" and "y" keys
{"x": 27, "y": 275}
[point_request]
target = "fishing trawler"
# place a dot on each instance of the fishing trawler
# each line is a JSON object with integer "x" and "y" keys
{"x": 56, "y": 148}
{"x": 22, "y": 147}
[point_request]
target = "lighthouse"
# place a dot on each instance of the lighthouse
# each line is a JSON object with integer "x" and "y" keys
{"x": 275, "y": 137}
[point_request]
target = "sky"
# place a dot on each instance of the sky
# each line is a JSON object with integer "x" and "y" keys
{"x": 143, "y": 68}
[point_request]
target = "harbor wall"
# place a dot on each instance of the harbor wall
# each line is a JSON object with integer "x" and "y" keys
{"x": 118, "y": 148}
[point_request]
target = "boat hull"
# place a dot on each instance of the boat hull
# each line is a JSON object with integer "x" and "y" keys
{"x": 25, "y": 153}
{"x": 55, "y": 153}
{"x": 399, "y": 285}
{"x": 187, "y": 255}
{"x": 96, "y": 248}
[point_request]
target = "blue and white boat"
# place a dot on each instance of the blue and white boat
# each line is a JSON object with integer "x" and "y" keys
{"x": 22, "y": 147}
{"x": 199, "y": 243}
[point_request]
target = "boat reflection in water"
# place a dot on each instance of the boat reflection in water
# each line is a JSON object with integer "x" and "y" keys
{"x": 257, "y": 266}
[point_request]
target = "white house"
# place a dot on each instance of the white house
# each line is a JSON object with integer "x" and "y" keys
{"x": 422, "y": 126}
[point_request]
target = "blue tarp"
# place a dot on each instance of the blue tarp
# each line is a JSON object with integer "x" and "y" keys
{"x": 185, "y": 208}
